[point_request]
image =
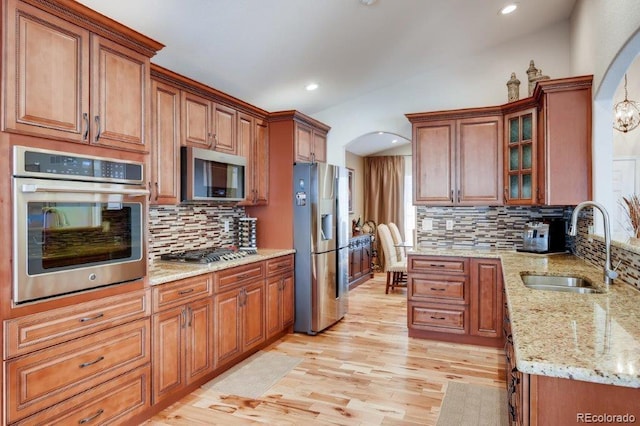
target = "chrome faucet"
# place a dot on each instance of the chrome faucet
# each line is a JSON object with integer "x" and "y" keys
{"x": 609, "y": 274}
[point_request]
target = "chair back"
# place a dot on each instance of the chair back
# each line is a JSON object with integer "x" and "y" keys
{"x": 397, "y": 241}
{"x": 386, "y": 240}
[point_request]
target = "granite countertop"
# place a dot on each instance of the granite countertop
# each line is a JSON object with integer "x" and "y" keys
{"x": 161, "y": 271}
{"x": 589, "y": 337}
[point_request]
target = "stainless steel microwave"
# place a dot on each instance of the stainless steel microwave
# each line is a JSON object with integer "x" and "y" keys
{"x": 211, "y": 176}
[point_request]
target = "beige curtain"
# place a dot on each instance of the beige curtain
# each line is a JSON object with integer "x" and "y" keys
{"x": 384, "y": 192}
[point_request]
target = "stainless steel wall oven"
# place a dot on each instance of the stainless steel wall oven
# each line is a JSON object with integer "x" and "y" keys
{"x": 78, "y": 223}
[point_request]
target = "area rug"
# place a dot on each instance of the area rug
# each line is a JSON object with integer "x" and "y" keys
{"x": 255, "y": 375}
{"x": 465, "y": 404}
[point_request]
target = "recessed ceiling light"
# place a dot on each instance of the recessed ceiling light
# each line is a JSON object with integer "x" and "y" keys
{"x": 367, "y": 2}
{"x": 510, "y": 8}
{"x": 381, "y": 133}
{"x": 312, "y": 86}
{"x": 394, "y": 141}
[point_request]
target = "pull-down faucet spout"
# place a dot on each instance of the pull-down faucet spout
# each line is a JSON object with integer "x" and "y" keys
{"x": 609, "y": 274}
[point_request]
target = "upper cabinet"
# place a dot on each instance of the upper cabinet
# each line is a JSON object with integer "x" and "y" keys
{"x": 447, "y": 148}
{"x": 76, "y": 79}
{"x": 253, "y": 137}
{"x": 533, "y": 151}
{"x": 564, "y": 146}
{"x": 206, "y": 124}
{"x": 309, "y": 136}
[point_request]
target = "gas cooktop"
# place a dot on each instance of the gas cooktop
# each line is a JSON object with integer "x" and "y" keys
{"x": 208, "y": 255}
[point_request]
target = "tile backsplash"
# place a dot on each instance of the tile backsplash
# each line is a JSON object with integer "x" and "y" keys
{"x": 489, "y": 227}
{"x": 191, "y": 226}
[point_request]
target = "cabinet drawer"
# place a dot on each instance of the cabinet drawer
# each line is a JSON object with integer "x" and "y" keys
{"x": 180, "y": 292}
{"x": 450, "y": 289}
{"x": 112, "y": 402}
{"x": 229, "y": 278}
{"x": 438, "y": 264}
{"x": 445, "y": 318}
{"x": 37, "y": 331}
{"x": 279, "y": 264}
{"x": 45, "y": 378}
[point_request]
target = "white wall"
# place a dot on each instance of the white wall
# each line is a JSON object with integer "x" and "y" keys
{"x": 472, "y": 81}
{"x": 605, "y": 41}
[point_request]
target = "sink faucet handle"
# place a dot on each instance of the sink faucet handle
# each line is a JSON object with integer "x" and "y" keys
{"x": 615, "y": 268}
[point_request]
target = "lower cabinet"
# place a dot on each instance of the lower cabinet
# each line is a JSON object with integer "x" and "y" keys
{"x": 455, "y": 299}
{"x": 280, "y": 295}
{"x": 182, "y": 326}
{"x": 240, "y": 313}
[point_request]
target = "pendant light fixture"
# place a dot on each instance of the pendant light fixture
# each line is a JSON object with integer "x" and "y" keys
{"x": 626, "y": 115}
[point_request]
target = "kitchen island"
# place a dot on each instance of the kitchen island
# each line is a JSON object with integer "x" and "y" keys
{"x": 572, "y": 353}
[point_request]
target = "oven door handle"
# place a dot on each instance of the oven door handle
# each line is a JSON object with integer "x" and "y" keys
{"x": 28, "y": 188}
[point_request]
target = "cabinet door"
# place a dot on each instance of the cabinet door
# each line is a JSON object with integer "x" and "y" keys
{"x": 228, "y": 331}
{"x": 486, "y": 298}
{"x": 120, "y": 84}
{"x": 199, "y": 358}
{"x": 165, "y": 152}
{"x": 303, "y": 141}
{"x": 433, "y": 154}
{"x": 168, "y": 352}
{"x": 245, "y": 144}
{"x": 224, "y": 129}
{"x": 479, "y": 161}
{"x": 261, "y": 162}
{"x": 253, "y": 315}
{"x": 46, "y": 81}
{"x": 320, "y": 147}
{"x": 288, "y": 284}
{"x": 356, "y": 261}
{"x": 365, "y": 258}
{"x": 520, "y": 147}
{"x": 196, "y": 121}
{"x": 273, "y": 313}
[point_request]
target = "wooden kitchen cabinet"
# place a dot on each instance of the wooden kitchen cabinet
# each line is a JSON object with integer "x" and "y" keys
{"x": 164, "y": 182}
{"x": 42, "y": 379}
{"x": 240, "y": 311}
{"x": 564, "y": 141}
{"x": 310, "y": 143}
{"x": 65, "y": 79}
{"x": 457, "y": 161}
{"x": 182, "y": 324}
{"x": 207, "y": 124}
{"x": 360, "y": 253}
{"x": 454, "y": 299}
{"x": 520, "y": 158}
{"x": 253, "y": 138}
{"x": 280, "y": 295}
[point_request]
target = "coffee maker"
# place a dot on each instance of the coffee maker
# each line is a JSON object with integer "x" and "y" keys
{"x": 545, "y": 236}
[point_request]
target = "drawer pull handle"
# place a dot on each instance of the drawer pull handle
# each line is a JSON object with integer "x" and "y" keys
{"x": 187, "y": 291}
{"x": 437, "y": 265}
{"x": 437, "y": 289}
{"x": 243, "y": 276}
{"x": 87, "y": 364}
{"x": 438, "y": 318}
{"x": 85, "y": 319}
{"x": 88, "y": 419}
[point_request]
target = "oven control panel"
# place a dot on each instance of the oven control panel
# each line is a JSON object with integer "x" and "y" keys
{"x": 59, "y": 165}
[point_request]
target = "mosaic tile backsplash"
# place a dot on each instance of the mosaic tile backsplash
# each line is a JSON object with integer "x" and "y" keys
{"x": 498, "y": 227}
{"x": 191, "y": 226}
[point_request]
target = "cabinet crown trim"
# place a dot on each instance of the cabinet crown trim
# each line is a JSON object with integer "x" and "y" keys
{"x": 299, "y": 117}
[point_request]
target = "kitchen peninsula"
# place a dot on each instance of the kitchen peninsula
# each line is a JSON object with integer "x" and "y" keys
{"x": 571, "y": 352}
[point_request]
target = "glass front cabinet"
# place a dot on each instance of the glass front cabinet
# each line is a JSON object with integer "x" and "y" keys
{"x": 520, "y": 153}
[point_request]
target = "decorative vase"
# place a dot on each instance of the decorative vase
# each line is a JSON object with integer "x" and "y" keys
{"x": 531, "y": 74}
{"x": 513, "y": 88}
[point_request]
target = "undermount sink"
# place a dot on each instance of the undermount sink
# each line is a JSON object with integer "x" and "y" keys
{"x": 564, "y": 283}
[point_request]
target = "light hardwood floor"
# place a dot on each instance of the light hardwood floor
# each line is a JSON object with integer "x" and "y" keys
{"x": 362, "y": 371}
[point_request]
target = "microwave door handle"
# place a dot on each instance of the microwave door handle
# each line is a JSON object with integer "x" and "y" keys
{"x": 122, "y": 191}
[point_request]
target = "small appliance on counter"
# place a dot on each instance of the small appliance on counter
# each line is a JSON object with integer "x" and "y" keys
{"x": 247, "y": 235}
{"x": 548, "y": 236}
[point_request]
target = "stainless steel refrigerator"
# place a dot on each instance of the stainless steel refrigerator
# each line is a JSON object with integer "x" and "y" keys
{"x": 321, "y": 239}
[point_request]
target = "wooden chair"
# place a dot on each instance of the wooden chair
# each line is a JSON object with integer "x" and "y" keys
{"x": 395, "y": 268}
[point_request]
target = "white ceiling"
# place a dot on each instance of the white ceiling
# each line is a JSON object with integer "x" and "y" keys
{"x": 266, "y": 51}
